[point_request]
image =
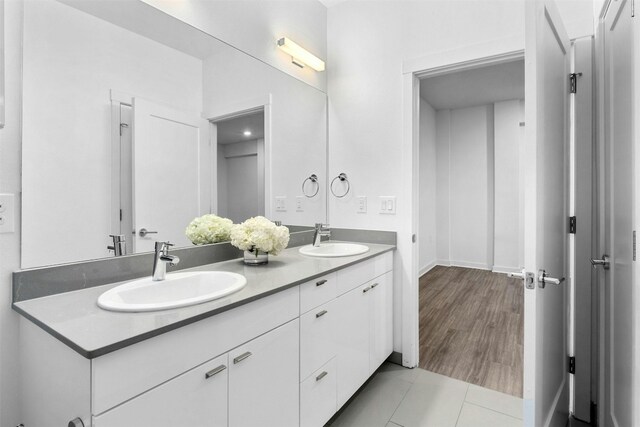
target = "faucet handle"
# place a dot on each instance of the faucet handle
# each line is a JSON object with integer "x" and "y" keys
{"x": 321, "y": 225}
{"x": 163, "y": 246}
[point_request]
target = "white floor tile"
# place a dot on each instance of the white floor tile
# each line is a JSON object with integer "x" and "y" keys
{"x": 477, "y": 416}
{"x": 431, "y": 404}
{"x": 375, "y": 404}
{"x": 495, "y": 400}
{"x": 391, "y": 370}
{"x": 427, "y": 377}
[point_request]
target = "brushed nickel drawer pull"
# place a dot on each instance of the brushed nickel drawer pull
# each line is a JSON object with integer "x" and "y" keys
{"x": 321, "y": 376}
{"x": 367, "y": 289}
{"x": 215, "y": 371}
{"x": 321, "y": 282}
{"x": 322, "y": 313}
{"x": 241, "y": 357}
{"x": 374, "y": 285}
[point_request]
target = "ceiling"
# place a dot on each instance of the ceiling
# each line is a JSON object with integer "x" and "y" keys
{"x": 475, "y": 87}
{"x": 232, "y": 130}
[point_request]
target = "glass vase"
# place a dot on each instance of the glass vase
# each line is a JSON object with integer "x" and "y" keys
{"x": 256, "y": 257}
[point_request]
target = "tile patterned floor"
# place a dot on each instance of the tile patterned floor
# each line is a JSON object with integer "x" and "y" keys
{"x": 400, "y": 397}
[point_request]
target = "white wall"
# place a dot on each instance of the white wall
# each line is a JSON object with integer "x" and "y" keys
{"x": 465, "y": 188}
{"x": 295, "y": 135}
{"x": 71, "y": 62}
{"x": 428, "y": 232}
{"x": 255, "y": 25}
{"x": 10, "y": 182}
{"x": 509, "y": 206}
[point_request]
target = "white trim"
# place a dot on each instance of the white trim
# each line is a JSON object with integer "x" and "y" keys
{"x": 505, "y": 270}
{"x": 120, "y": 97}
{"x": 427, "y": 268}
{"x": 470, "y": 264}
{"x": 237, "y": 108}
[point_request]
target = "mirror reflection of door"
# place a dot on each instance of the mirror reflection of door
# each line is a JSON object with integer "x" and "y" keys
{"x": 240, "y": 176}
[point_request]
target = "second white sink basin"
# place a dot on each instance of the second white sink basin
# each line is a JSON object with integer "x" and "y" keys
{"x": 177, "y": 290}
{"x": 332, "y": 250}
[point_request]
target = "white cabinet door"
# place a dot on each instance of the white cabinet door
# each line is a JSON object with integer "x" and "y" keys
{"x": 264, "y": 380}
{"x": 352, "y": 340}
{"x": 196, "y": 398}
{"x": 317, "y": 338}
{"x": 318, "y": 396}
{"x": 381, "y": 320}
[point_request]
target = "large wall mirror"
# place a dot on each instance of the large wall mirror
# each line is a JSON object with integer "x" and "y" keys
{"x": 135, "y": 122}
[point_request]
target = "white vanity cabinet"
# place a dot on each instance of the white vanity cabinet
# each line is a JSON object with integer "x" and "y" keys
{"x": 289, "y": 359}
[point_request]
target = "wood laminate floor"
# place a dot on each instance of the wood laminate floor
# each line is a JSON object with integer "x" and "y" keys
{"x": 471, "y": 327}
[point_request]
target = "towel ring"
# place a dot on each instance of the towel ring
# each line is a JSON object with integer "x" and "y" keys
{"x": 314, "y": 179}
{"x": 343, "y": 178}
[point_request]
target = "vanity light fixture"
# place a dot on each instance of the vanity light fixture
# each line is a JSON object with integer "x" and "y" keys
{"x": 299, "y": 55}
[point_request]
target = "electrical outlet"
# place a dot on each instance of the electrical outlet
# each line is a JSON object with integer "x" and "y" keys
{"x": 362, "y": 204}
{"x": 281, "y": 203}
{"x": 299, "y": 204}
{"x": 7, "y": 213}
{"x": 388, "y": 205}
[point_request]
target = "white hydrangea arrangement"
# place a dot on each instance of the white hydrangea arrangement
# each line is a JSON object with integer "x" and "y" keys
{"x": 209, "y": 229}
{"x": 261, "y": 234}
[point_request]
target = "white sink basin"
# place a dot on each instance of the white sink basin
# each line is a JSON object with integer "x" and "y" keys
{"x": 177, "y": 290}
{"x": 332, "y": 250}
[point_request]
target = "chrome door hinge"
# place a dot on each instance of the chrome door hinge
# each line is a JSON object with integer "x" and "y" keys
{"x": 573, "y": 82}
{"x": 123, "y": 125}
{"x": 572, "y": 225}
{"x": 572, "y": 364}
{"x": 120, "y": 214}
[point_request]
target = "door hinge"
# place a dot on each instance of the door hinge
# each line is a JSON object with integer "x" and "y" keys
{"x": 633, "y": 8}
{"x": 573, "y": 82}
{"x": 120, "y": 214}
{"x": 572, "y": 225}
{"x": 123, "y": 125}
{"x": 594, "y": 413}
{"x": 572, "y": 364}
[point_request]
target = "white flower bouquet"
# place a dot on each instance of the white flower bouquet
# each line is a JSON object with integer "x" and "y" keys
{"x": 209, "y": 229}
{"x": 258, "y": 233}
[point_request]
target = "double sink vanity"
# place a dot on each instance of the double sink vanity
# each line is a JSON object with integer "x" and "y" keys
{"x": 284, "y": 344}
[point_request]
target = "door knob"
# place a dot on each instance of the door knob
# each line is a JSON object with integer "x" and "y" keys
{"x": 604, "y": 262}
{"x": 543, "y": 279}
{"x": 143, "y": 232}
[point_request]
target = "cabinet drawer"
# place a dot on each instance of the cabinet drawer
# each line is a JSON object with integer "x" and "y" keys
{"x": 354, "y": 276}
{"x": 318, "y": 396}
{"x": 317, "y": 291}
{"x": 317, "y": 338}
{"x": 194, "y": 398}
{"x": 128, "y": 372}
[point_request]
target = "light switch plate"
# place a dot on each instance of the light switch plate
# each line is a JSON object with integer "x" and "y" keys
{"x": 281, "y": 203}
{"x": 7, "y": 213}
{"x": 362, "y": 204}
{"x": 299, "y": 204}
{"x": 387, "y": 205}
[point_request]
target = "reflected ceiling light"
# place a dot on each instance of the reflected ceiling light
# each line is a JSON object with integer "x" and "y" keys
{"x": 247, "y": 133}
{"x": 299, "y": 55}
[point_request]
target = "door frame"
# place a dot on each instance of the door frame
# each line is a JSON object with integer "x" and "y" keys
{"x": 464, "y": 58}
{"x": 229, "y": 111}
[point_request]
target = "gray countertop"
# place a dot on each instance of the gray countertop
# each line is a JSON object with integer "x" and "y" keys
{"x": 76, "y": 320}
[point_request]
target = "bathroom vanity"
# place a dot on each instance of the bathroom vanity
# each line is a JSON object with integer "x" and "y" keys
{"x": 289, "y": 349}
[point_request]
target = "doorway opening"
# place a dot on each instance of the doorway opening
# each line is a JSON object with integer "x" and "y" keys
{"x": 241, "y": 166}
{"x": 471, "y": 222}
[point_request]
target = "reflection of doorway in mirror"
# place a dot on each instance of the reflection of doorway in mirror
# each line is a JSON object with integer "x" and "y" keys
{"x": 159, "y": 180}
{"x": 240, "y": 183}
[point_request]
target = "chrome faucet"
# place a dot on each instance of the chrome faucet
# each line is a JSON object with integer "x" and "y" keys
{"x": 161, "y": 259}
{"x": 321, "y": 230}
{"x": 119, "y": 246}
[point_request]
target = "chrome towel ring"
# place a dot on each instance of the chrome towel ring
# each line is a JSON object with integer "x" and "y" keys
{"x": 314, "y": 180}
{"x": 343, "y": 178}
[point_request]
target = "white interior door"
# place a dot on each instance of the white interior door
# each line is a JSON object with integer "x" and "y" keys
{"x": 618, "y": 281}
{"x": 546, "y": 144}
{"x": 170, "y": 173}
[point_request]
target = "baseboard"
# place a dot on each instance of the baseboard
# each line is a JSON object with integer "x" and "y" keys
{"x": 427, "y": 268}
{"x": 443, "y": 262}
{"x": 505, "y": 270}
{"x": 469, "y": 264}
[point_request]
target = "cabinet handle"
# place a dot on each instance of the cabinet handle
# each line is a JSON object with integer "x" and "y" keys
{"x": 322, "y": 313}
{"x": 374, "y": 285}
{"x": 367, "y": 289}
{"x": 321, "y": 282}
{"x": 76, "y": 422}
{"x": 215, "y": 371}
{"x": 241, "y": 357}
{"x": 321, "y": 376}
